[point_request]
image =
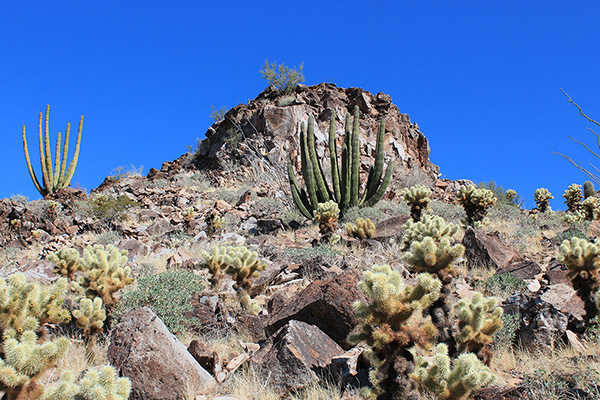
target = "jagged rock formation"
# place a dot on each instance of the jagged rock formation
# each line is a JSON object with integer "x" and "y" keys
{"x": 266, "y": 130}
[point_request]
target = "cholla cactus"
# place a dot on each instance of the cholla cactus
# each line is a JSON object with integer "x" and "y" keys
{"x": 24, "y": 360}
{"x": 90, "y": 319}
{"x": 363, "y": 228}
{"x": 542, "y": 199}
{"x": 582, "y": 259}
{"x": 214, "y": 222}
{"x": 102, "y": 384}
{"x": 475, "y": 202}
{"x": 433, "y": 256}
{"x": 385, "y": 315}
{"x": 479, "y": 320}
{"x": 326, "y": 215}
{"x": 573, "y": 197}
{"x": 432, "y": 226}
{"x": 188, "y": 214}
{"x": 417, "y": 197}
{"x": 511, "y": 196}
{"x": 591, "y": 208}
{"x": 104, "y": 271}
{"x": 239, "y": 262}
{"x": 27, "y": 306}
{"x": 588, "y": 189}
{"x": 456, "y": 383}
{"x": 67, "y": 262}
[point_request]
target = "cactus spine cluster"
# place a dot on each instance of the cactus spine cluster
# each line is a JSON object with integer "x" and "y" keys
{"x": 326, "y": 215}
{"x": 345, "y": 180}
{"x": 451, "y": 383}
{"x": 476, "y": 202}
{"x": 238, "y": 262}
{"x": 59, "y": 178}
{"x": 214, "y": 222}
{"x": 101, "y": 384}
{"x": 479, "y": 319}
{"x": 582, "y": 260}
{"x": 511, "y": 196}
{"x": 542, "y": 199}
{"x": 362, "y": 228}
{"x": 418, "y": 198}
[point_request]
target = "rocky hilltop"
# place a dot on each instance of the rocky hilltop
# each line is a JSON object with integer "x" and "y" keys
{"x": 266, "y": 130}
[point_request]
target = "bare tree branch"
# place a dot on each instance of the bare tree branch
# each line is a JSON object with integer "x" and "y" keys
{"x": 580, "y": 110}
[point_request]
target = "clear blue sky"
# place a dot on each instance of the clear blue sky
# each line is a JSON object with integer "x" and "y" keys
{"x": 482, "y": 78}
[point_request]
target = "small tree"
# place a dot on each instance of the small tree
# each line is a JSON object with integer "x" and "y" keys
{"x": 284, "y": 78}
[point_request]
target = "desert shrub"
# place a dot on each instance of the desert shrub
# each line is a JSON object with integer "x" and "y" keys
{"x": 503, "y": 196}
{"x": 504, "y": 285}
{"x": 506, "y": 336}
{"x": 109, "y": 210}
{"x": 570, "y": 233}
{"x": 450, "y": 212}
{"x": 282, "y": 77}
{"x": 125, "y": 172}
{"x": 169, "y": 295}
{"x": 110, "y": 237}
{"x": 374, "y": 213}
{"x": 267, "y": 206}
{"x": 218, "y": 115}
{"x": 299, "y": 256}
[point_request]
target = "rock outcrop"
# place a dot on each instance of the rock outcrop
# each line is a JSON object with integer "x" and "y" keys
{"x": 266, "y": 130}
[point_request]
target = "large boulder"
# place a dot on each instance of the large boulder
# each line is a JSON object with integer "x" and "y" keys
{"x": 488, "y": 249}
{"x": 157, "y": 363}
{"x": 296, "y": 355}
{"x": 326, "y": 304}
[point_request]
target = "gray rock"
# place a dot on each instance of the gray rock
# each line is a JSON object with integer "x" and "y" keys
{"x": 296, "y": 355}
{"x": 157, "y": 363}
{"x": 488, "y": 249}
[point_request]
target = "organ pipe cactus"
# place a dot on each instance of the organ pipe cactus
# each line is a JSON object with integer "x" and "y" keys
{"x": 476, "y": 203}
{"x": 391, "y": 324}
{"x": 479, "y": 319}
{"x": 451, "y": 383}
{"x": 542, "y": 199}
{"x": 582, "y": 260}
{"x": 363, "y": 228}
{"x": 588, "y": 189}
{"x": 573, "y": 197}
{"x": 345, "y": 180}
{"x": 417, "y": 197}
{"x": 61, "y": 176}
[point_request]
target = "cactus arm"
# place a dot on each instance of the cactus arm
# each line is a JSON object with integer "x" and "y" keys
{"x": 302, "y": 206}
{"x": 382, "y": 188}
{"x": 322, "y": 189}
{"x": 335, "y": 175}
{"x": 355, "y": 161}
{"x": 307, "y": 168}
{"x": 57, "y": 162}
{"x": 48, "y": 153}
{"x": 374, "y": 180}
{"x": 65, "y": 153}
{"x": 31, "y": 171}
{"x": 43, "y": 155}
{"x": 73, "y": 163}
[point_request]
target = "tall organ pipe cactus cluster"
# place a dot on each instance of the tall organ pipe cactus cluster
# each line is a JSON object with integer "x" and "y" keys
{"x": 345, "y": 179}
{"x": 61, "y": 176}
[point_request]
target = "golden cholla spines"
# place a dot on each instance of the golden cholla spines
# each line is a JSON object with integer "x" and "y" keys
{"x": 582, "y": 260}
{"x": 28, "y": 306}
{"x": 214, "y": 222}
{"x": 103, "y": 271}
{"x": 90, "y": 316}
{"x": 67, "y": 262}
{"x": 475, "y": 202}
{"x": 24, "y": 360}
{"x": 418, "y": 198}
{"x": 591, "y": 208}
{"x": 363, "y": 228}
{"x": 542, "y": 199}
{"x": 238, "y": 262}
{"x": 444, "y": 382}
{"x": 326, "y": 215}
{"x": 430, "y": 225}
{"x": 392, "y": 323}
{"x": 479, "y": 319}
{"x": 97, "y": 384}
{"x": 573, "y": 197}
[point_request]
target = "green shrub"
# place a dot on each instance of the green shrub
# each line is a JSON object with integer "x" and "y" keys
{"x": 505, "y": 337}
{"x": 169, "y": 295}
{"x": 218, "y": 115}
{"x": 504, "y": 285}
{"x": 284, "y": 78}
{"x": 298, "y": 256}
{"x": 503, "y": 196}
{"x": 109, "y": 210}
